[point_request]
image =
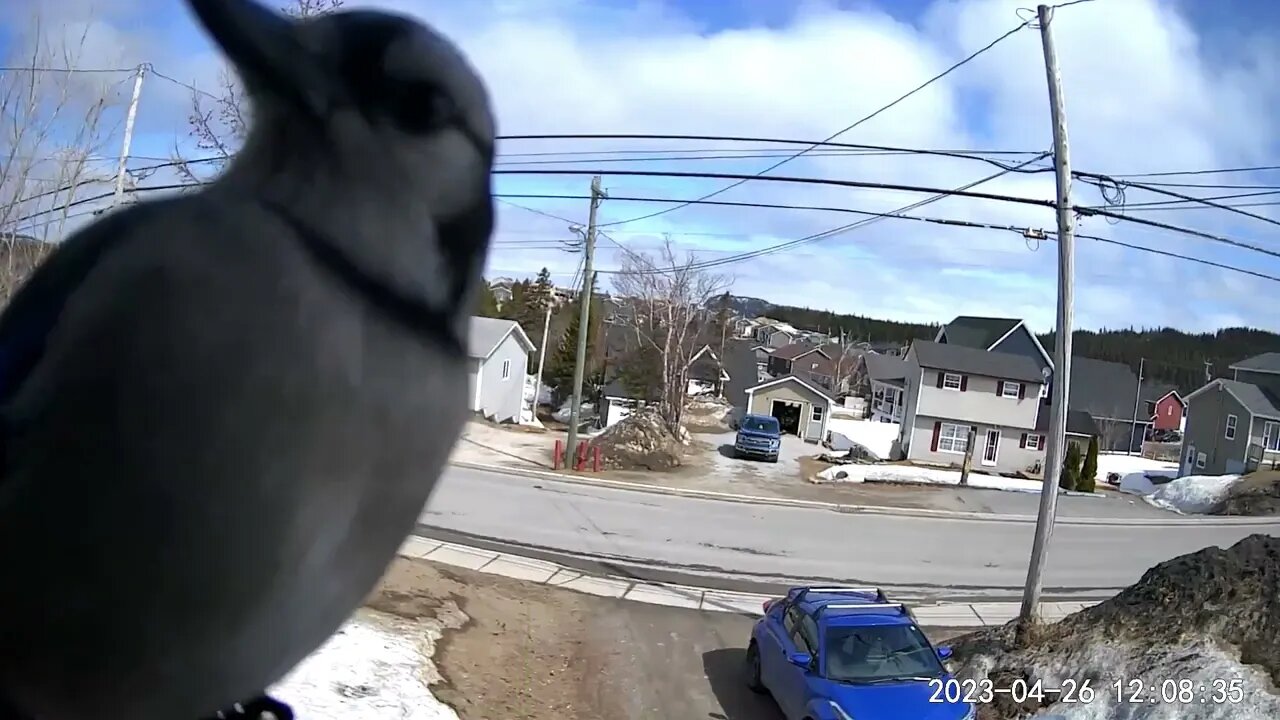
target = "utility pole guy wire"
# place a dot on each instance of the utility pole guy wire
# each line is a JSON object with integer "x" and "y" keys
{"x": 584, "y": 319}
{"x": 1061, "y": 377}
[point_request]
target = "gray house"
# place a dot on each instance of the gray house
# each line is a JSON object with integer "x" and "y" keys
{"x": 951, "y": 388}
{"x": 1233, "y": 426}
{"x": 1107, "y": 391}
{"x": 498, "y": 354}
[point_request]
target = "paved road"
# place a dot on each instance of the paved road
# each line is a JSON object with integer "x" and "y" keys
{"x": 744, "y": 546}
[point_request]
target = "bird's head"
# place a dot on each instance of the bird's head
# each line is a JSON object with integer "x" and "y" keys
{"x": 374, "y": 121}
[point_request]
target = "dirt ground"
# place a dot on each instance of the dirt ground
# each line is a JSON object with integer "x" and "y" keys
{"x": 533, "y": 652}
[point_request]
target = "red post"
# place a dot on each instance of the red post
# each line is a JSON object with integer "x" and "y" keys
{"x": 596, "y": 463}
{"x": 559, "y": 453}
{"x": 582, "y": 456}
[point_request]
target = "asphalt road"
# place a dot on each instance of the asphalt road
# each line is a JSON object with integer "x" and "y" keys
{"x": 756, "y": 547}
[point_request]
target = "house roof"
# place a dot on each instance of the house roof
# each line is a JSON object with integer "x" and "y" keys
{"x": 1103, "y": 388}
{"x": 1266, "y": 362}
{"x": 740, "y": 363}
{"x": 706, "y": 365}
{"x": 794, "y": 350}
{"x": 885, "y": 367}
{"x": 1079, "y": 422}
{"x": 972, "y": 361}
{"x": 790, "y": 378}
{"x": 977, "y": 332}
{"x": 486, "y": 334}
{"x": 1259, "y": 401}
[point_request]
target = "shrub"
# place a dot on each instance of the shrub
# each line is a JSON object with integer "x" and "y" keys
{"x": 1070, "y": 468}
{"x": 1089, "y": 473}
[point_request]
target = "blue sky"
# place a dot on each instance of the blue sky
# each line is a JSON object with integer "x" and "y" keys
{"x": 1150, "y": 86}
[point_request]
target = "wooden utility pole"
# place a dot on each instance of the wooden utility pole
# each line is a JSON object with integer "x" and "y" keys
{"x": 1062, "y": 337}
{"x": 1137, "y": 400}
{"x": 584, "y": 319}
{"x": 130, "y": 117}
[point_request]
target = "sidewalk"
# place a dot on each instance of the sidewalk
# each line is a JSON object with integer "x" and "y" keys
{"x": 951, "y": 615}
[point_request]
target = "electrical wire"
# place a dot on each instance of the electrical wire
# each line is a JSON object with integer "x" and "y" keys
{"x": 1170, "y": 193}
{"x": 837, "y": 134}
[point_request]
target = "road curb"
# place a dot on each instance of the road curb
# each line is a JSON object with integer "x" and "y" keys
{"x": 691, "y": 597}
{"x": 855, "y": 509}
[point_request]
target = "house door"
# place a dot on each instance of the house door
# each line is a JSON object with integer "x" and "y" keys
{"x": 991, "y": 448}
{"x": 815, "y": 423}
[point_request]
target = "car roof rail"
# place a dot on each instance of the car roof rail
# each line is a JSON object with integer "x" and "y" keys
{"x": 900, "y": 607}
{"x": 842, "y": 590}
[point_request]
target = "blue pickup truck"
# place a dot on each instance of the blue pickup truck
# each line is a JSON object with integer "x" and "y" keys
{"x": 759, "y": 436}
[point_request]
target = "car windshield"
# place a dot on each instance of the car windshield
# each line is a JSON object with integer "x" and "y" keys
{"x": 760, "y": 424}
{"x": 879, "y": 653}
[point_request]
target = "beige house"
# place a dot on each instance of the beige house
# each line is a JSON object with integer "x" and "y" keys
{"x": 802, "y": 408}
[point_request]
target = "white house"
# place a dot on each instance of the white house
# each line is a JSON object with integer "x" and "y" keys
{"x": 498, "y": 356}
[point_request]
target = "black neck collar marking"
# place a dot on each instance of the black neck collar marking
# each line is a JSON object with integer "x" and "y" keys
{"x": 421, "y": 319}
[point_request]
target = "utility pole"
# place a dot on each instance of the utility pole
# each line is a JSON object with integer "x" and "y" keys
{"x": 130, "y": 117}
{"x": 1133, "y": 428}
{"x": 1062, "y": 338}
{"x": 584, "y": 318}
{"x": 542, "y": 359}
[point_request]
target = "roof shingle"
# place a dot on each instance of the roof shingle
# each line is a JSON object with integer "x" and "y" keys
{"x": 972, "y": 361}
{"x": 1266, "y": 362}
{"x": 978, "y": 332}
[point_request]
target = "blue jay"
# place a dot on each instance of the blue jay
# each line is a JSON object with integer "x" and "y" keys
{"x": 221, "y": 413}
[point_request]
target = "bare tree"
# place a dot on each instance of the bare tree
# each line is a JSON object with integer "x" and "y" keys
{"x": 1114, "y": 432}
{"x": 668, "y": 295}
{"x": 53, "y": 127}
{"x": 220, "y": 120}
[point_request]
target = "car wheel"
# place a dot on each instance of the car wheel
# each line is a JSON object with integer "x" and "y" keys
{"x": 753, "y": 670}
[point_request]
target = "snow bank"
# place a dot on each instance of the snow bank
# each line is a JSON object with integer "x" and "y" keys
{"x": 1133, "y": 468}
{"x": 364, "y": 672}
{"x": 876, "y": 437}
{"x": 924, "y": 476}
{"x": 1203, "y": 621}
{"x": 1193, "y": 494}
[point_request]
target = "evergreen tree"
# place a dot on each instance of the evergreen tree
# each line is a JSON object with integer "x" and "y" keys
{"x": 561, "y": 360}
{"x": 1070, "y": 478}
{"x": 486, "y": 303}
{"x": 1089, "y": 474}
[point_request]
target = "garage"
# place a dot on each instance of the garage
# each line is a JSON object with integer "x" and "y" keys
{"x": 802, "y": 409}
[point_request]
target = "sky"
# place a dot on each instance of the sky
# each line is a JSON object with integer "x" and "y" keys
{"x": 1149, "y": 86}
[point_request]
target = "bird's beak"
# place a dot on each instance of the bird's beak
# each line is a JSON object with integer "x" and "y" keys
{"x": 267, "y": 50}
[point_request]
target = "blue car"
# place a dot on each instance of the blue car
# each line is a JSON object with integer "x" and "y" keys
{"x": 759, "y": 436}
{"x": 829, "y": 653}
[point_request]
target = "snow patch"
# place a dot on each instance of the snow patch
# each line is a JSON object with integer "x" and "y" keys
{"x": 925, "y": 476}
{"x": 876, "y": 437}
{"x": 1193, "y": 494}
{"x": 1134, "y": 469}
{"x": 369, "y": 670}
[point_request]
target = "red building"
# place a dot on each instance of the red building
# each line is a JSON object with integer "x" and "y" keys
{"x": 1168, "y": 411}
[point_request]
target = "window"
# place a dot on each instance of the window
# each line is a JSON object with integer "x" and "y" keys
{"x": 1044, "y": 391}
{"x": 1271, "y": 436}
{"x": 1200, "y": 459}
{"x": 867, "y": 653}
{"x": 1010, "y": 389}
{"x": 951, "y": 381}
{"x": 1035, "y": 442}
{"x": 817, "y": 414}
{"x": 506, "y": 369}
{"x": 953, "y": 439}
{"x": 1230, "y": 432}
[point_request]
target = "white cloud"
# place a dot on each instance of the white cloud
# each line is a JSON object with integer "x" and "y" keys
{"x": 1143, "y": 93}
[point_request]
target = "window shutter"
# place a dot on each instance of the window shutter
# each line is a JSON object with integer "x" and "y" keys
{"x": 1022, "y": 391}
{"x": 964, "y": 383}
{"x": 1023, "y": 442}
{"x": 940, "y": 376}
{"x": 937, "y": 433}
{"x": 1000, "y": 387}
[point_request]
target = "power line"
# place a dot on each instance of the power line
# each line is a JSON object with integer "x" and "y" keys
{"x": 70, "y": 71}
{"x": 837, "y": 134}
{"x": 1170, "y": 193}
{"x": 1081, "y": 209}
{"x": 1215, "y": 171}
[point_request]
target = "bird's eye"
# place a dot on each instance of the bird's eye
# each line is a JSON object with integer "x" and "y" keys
{"x": 421, "y": 108}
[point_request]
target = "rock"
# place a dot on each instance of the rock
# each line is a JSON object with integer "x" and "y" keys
{"x": 640, "y": 441}
{"x": 1211, "y": 609}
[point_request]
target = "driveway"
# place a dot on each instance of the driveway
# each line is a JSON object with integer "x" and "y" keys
{"x": 534, "y": 652}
